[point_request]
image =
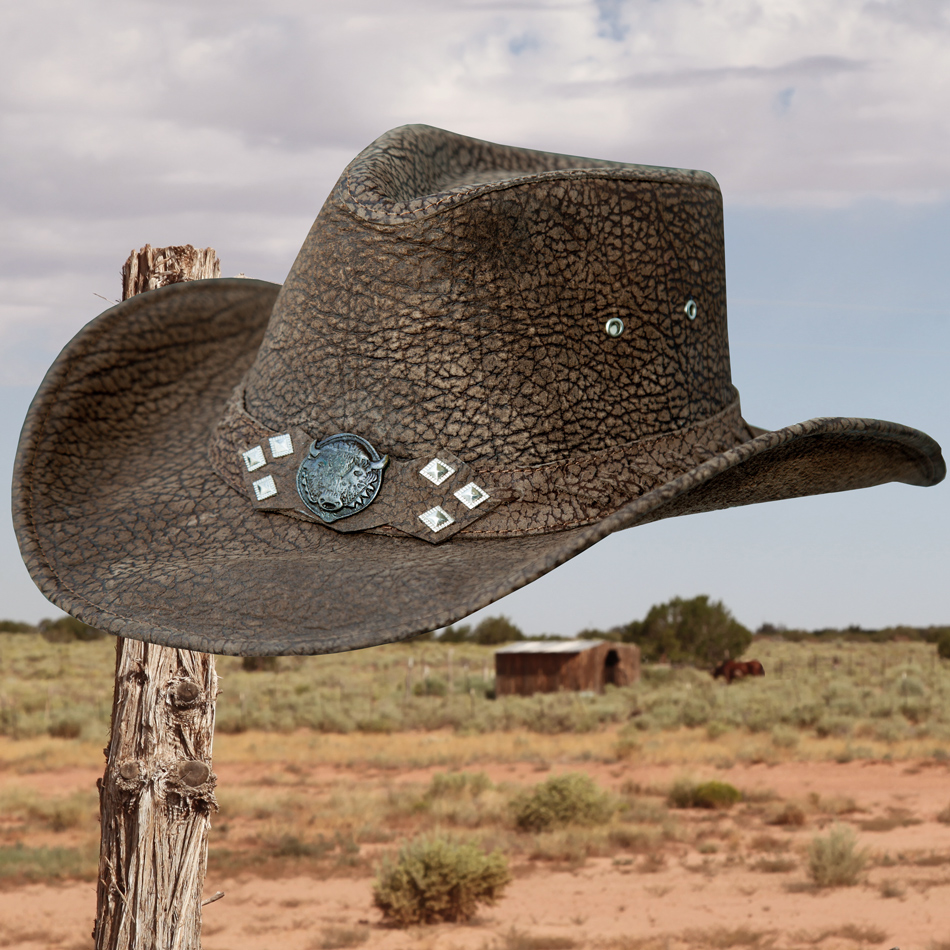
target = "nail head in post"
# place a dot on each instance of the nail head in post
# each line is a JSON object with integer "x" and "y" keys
{"x": 614, "y": 327}
{"x": 691, "y": 309}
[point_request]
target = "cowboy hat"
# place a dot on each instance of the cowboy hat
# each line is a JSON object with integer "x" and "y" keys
{"x": 483, "y": 361}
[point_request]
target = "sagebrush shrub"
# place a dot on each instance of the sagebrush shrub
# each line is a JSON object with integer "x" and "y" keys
{"x": 686, "y": 794}
{"x": 437, "y": 879}
{"x": 835, "y": 860}
{"x": 571, "y": 799}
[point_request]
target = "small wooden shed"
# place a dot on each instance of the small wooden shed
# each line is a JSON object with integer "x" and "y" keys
{"x": 546, "y": 666}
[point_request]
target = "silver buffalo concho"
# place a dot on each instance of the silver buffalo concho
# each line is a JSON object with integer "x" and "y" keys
{"x": 340, "y": 476}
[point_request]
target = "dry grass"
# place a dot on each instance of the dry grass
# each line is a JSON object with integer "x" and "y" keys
{"x": 18, "y": 936}
{"x": 896, "y": 818}
{"x": 774, "y": 865}
{"x": 296, "y": 817}
{"x": 520, "y": 940}
{"x": 20, "y": 864}
{"x": 788, "y": 814}
{"x": 859, "y": 933}
{"x": 341, "y": 938}
{"x": 816, "y": 700}
{"x": 889, "y": 888}
{"x": 722, "y": 938}
{"x": 835, "y": 859}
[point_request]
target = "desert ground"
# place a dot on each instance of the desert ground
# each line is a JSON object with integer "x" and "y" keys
{"x": 306, "y": 816}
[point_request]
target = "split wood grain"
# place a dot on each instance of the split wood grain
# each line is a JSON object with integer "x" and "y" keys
{"x": 157, "y": 795}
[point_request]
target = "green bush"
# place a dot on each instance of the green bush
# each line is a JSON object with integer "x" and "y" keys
{"x": 692, "y": 630}
{"x": 431, "y": 686}
{"x": 686, "y": 794}
{"x": 834, "y": 860}
{"x": 438, "y": 879}
{"x": 943, "y": 645}
{"x": 571, "y": 799}
{"x": 494, "y": 630}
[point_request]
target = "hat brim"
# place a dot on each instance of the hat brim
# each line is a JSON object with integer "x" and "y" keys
{"x": 123, "y": 523}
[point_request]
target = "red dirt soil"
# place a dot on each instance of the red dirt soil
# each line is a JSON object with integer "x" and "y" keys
{"x": 695, "y": 900}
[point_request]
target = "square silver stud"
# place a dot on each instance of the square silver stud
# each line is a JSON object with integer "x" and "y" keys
{"x": 435, "y": 519}
{"x": 471, "y": 495}
{"x": 265, "y": 487}
{"x": 437, "y": 471}
{"x": 254, "y": 458}
{"x": 281, "y": 445}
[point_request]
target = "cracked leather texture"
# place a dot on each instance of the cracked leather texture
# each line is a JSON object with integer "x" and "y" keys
{"x": 451, "y": 293}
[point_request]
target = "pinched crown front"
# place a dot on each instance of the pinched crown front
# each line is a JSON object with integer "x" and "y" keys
{"x": 480, "y": 320}
{"x": 518, "y": 310}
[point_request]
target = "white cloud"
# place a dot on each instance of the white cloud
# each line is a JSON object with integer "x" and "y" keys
{"x": 225, "y": 124}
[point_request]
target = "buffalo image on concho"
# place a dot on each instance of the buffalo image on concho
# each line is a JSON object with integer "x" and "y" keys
{"x": 340, "y": 476}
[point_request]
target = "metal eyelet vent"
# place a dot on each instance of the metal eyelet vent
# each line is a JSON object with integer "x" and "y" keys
{"x": 691, "y": 309}
{"x": 614, "y": 327}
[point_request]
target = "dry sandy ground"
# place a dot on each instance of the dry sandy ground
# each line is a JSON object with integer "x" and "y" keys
{"x": 695, "y": 900}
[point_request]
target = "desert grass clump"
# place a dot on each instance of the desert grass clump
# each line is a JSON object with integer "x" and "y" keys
{"x": 341, "y": 938}
{"x": 788, "y": 815}
{"x": 687, "y": 794}
{"x": 436, "y": 879}
{"x": 835, "y": 860}
{"x": 20, "y": 864}
{"x": 785, "y": 737}
{"x": 774, "y": 865}
{"x": 629, "y": 744}
{"x": 519, "y": 940}
{"x": 570, "y": 846}
{"x": 571, "y": 799}
{"x": 458, "y": 785}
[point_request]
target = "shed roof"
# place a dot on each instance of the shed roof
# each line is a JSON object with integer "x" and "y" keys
{"x": 550, "y": 646}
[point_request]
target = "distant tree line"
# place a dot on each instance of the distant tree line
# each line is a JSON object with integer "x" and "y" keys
{"x": 62, "y": 630}
{"x": 855, "y": 634}
{"x": 694, "y": 631}
{"x": 489, "y": 631}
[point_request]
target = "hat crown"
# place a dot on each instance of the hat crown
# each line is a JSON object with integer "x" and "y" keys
{"x": 458, "y": 292}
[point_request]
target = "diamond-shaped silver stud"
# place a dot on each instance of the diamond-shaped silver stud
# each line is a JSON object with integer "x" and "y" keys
{"x": 254, "y": 458}
{"x": 437, "y": 471}
{"x": 265, "y": 487}
{"x": 471, "y": 495}
{"x": 435, "y": 519}
{"x": 281, "y": 445}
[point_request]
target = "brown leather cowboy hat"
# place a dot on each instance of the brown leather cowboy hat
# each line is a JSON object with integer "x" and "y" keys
{"x": 484, "y": 360}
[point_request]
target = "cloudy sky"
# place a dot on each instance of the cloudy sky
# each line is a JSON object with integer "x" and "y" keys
{"x": 225, "y": 124}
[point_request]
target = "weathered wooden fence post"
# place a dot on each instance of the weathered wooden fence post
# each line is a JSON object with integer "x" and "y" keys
{"x": 157, "y": 794}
